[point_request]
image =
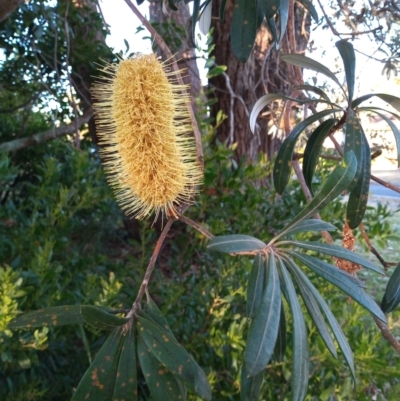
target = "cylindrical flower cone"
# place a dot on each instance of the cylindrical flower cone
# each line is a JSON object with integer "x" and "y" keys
{"x": 143, "y": 126}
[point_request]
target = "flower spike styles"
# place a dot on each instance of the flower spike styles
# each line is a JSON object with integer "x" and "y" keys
{"x": 143, "y": 125}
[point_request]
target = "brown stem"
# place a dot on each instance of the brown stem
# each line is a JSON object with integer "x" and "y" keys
{"x": 385, "y": 264}
{"x": 144, "y": 286}
{"x": 384, "y": 183}
{"x": 167, "y": 51}
{"x": 36, "y": 139}
{"x": 196, "y": 226}
{"x": 308, "y": 195}
{"x": 387, "y": 334}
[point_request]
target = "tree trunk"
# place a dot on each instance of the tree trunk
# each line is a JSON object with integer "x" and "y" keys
{"x": 176, "y": 31}
{"x": 244, "y": 83}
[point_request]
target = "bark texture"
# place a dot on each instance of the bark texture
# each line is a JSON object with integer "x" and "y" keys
{"x": 244, "y": 83}
{"x": 7, "y": 7}
{"x": 175, "y": 29}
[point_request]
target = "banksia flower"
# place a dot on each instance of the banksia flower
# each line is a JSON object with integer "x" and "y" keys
{"x": 143, "y": 125}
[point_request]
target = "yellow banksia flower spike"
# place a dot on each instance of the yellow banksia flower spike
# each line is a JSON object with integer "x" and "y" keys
{"x": 143, "y": 125}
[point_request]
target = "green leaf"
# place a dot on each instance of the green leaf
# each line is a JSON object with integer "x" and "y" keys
{"x": 205, "y": 18}
{"x": 281, "y": 341}
{"x": 53, "y": 316}
{"x": 305, "y": 226}
{"x": 262, "y": 102}
{"x": 335, "y": 184}
{"x": 300, "y": 368}
{"x": 215, "y": 71}
{"x": 195, "y": 16}
{"x": 338, "y": 252}
{"x": 348, "y": 55}
{"x": 392, "y": 100}
{"x": 255, "y": 287}
{"x": 272, "y": 28}
{"x": 392, "y": 126}
{"x": 314, "y": 89}
{"x": 337, "y": 278}
{"x": 283, "y": 17}
{"x": 222, "y": 10}
{"x": 174, "y": 357}
{"x": 310, "y": 8}
{"x": 245, "y": 22}
{"x": 353, "y": 140}
{"x": 313, "y": 150}
{"x": 250, "y": 387}
{"x": 283, "y": 163}
{"x": 154, "y": 313}
{"x": 268, "y": 7}
{"x": 263, "y": 330}
{"x": 101, "y": 319}
{"x": 313, "y": 309}
{"x": 335, "y": 326}
{"x": 161, "y": 382}
{"x": 358, "y": 199}
{"x": 235, "y": 243}
{"x": 310, "y": 64}
{"x": 99, "y": 380}
{"x": 126, "y": 379}
{"x": 391, "y": 298}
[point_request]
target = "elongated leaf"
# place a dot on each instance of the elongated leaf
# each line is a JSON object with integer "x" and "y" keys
{"x": 300, "y": 368}
{"x": 305, "y": 226}
{"x": 281, "y": 341}
{"x": 310, "y": 8}
{"x": 174, "y": 357}
{"x": 335, "y": 184}
{"x": 314, "y": 89}
{"x": 335, "y": 326}
{"x": 67, "y": 314}
{"x": 265, "y": 325}
{"x": 99, "y": 380}
{"x": 313, "y": 150}
{"x": 195, "y": 16}
{"x": 235, "y": 243}
{"x": 222, "y": 10}
{"x": 310, "y": 64}
{"x": 250, "y": 387}
{"x": 53, "y": 316}
{"x": 358, "y": 199}
{"x": 245, "y": 22}
{"x": 268, "y": 7}
{"x": 101, "y": 319}
{"x": 391, "y": 298}
{"x": 261, "y": 103}
{"x": 255, "y": 287}
{"x": 392, "y": 126}
{"x": 392, "y": 100}
{"x": 338, "y": 252}
{"x": 126, "y": 379}
{"x": 274, "y": 32}
{"x": 353, "y": 141}
{"x": 154, "y": 313}
{"x": 205, "y": 18}
{"x": 337, "y": 278}
{"x": 348, "y": 55}
{"x": 161, "y": 382}
{"x": 313, "y": 309}
{"x": 283, "y": 164}
{"x": 283, "y": 17}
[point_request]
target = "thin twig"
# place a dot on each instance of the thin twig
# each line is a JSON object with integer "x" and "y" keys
{"x": 196, "y": 226}
{"x": 387, "y": 334}
{"x": 372, "y": 249}
{"x": 170, "y": 56}
{"x": 144, "y": 286}
{"x": 385, "y": 184}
